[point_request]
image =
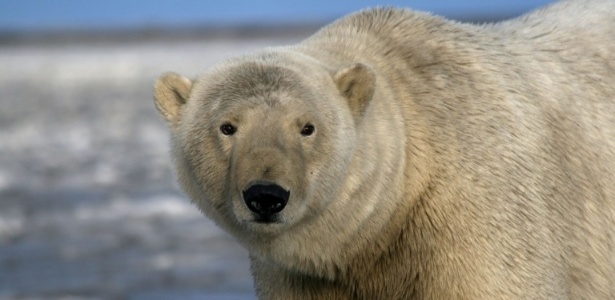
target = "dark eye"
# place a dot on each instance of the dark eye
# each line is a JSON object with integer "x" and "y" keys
{"x": 307, "y": 130}
{"x": 227, "y": 129}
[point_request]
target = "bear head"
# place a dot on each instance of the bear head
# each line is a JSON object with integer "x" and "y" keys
{"x": 262, "y": 143}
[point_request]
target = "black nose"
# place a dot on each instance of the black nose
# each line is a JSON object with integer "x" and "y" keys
{"x": 266, "y": 199}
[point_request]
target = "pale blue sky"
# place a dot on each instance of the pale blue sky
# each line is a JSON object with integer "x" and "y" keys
{"x": 114, "y": 14}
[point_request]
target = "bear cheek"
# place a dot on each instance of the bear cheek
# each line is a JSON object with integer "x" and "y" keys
{"x": 328, "y": 176}
{"x": 202, "y": 172}
{"x": 310, "y": 187}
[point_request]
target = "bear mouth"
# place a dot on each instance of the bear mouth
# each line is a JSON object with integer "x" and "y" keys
{"x": 269, "y": 219}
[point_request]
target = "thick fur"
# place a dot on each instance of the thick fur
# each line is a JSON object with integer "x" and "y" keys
{"x": 449, "y": 161}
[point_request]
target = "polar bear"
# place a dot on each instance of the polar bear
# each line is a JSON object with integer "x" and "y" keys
{"x": 398, "y": 155}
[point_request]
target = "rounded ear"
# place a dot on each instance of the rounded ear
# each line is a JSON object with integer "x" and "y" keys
{"x": 357, "y": 84}
{"x": 171, "y": 91}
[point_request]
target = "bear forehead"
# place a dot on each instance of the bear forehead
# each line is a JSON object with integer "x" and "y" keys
{"x": 256, "y": 80}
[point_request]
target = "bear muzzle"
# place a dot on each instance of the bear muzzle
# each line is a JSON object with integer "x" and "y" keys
{"x": 265, "y": 199}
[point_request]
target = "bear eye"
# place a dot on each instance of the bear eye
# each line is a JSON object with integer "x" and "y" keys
{"x": 307, "y": 130}
{"x": 227, "y": 129}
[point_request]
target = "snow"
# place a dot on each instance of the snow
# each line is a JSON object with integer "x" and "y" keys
{"x": 88, "y": 204}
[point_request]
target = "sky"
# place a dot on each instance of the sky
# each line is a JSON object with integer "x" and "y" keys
{"x": 44, "y": 15}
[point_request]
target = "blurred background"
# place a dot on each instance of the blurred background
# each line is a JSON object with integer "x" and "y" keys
{"x": 88, "y": 204}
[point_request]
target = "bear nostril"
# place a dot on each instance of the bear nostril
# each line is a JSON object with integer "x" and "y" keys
{"x": 266, "y": 199}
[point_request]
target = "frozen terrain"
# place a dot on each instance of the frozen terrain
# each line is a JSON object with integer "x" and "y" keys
{"x": 88, "y": 204}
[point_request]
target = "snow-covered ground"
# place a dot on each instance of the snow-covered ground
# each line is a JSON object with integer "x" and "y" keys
{"x": 88, "y": 204}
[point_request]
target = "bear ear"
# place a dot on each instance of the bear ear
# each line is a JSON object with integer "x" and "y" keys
{"x": 171, "y": 91}
{"x": 357, "y": 83}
